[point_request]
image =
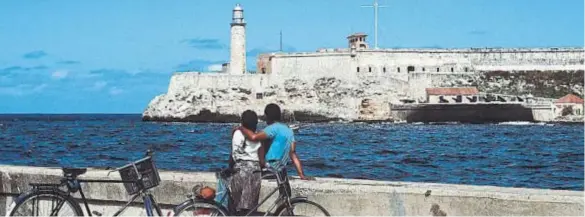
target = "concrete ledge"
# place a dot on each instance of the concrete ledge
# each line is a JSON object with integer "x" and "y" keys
{"x": 341, "y": 197}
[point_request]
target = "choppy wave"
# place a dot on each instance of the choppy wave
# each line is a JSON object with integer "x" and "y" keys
{"x": 539, "y": 156}
{"x": 525, "y": 123}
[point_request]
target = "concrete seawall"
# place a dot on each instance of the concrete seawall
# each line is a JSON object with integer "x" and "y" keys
{"x": 339, "y": 196}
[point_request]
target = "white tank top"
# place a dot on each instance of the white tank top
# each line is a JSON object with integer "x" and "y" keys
{"x": 243, "y": 149}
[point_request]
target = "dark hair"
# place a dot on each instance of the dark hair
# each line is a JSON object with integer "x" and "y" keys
{"x": 272, "y": 112}
{"x": 250, "y": 120}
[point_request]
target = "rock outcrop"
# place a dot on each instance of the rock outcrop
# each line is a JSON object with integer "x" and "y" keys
{"x": 547, "y": 84}
{"x": 198, "y": 97}
{"x": 311, "y": 99}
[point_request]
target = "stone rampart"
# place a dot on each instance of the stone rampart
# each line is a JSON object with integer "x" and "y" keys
{"x": 341, "y": 197}
{"x": 425, "y": 60}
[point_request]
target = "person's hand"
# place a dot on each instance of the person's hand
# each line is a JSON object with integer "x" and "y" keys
{"x": 307, "y": 178}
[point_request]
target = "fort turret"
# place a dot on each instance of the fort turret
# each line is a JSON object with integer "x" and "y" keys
{"x": 237, "y": 64}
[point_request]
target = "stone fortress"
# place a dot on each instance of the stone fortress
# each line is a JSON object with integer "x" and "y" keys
{"x": 351, "y": 84}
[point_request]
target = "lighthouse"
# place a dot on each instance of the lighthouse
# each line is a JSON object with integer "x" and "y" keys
{"x": 238, "y": 42}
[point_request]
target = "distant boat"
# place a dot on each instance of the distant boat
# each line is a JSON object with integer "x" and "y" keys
{"x": 295, "y": 127}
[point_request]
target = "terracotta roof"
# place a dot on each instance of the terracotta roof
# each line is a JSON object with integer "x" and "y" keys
{"x": 570, "y": 98}
{"x": 452, "y": 91}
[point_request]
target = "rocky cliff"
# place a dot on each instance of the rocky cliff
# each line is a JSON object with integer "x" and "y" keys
{"x": 547, "y": 84}
{"x": 222, "y": 98}
{"x": 311, "y": 99}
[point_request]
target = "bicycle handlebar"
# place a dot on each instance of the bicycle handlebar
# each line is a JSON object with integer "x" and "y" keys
{"x": 149, "y": 153}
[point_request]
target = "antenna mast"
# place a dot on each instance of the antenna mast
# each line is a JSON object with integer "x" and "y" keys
{"x": 375, "y": 6}
{"x": 280, "y": 40}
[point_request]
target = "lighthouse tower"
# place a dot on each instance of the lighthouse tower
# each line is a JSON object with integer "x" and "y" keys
{"x": 238, "y": 42}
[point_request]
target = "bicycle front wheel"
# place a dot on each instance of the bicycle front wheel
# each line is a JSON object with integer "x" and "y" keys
{"x": 199, "y": 208}
{"x": 302, "y": 207}
{"x": 45, "y": 203}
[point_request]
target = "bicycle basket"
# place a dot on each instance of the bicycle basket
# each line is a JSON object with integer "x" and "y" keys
{"x": 144, "y": 167}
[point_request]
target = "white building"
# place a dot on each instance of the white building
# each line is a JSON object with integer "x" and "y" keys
{"x": 569, "y": 103}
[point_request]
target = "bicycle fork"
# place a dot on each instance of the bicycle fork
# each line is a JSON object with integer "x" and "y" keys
{"x": 150, "y": 203}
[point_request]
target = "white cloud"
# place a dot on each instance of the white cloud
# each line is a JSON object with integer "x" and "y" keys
{"x": 214, "y": 68}
{"x": 115, "y": 91}
{"x": 22, "y": 89}
{"x": 60, "y": 74}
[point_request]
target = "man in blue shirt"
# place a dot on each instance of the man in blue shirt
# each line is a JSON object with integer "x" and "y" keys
{"x": 278, "y": 139}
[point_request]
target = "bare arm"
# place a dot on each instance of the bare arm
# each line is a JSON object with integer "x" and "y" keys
{"x": 297, "y": 162}
{"x": 262, "y": 156}
{"x": 231, "y": 161}
{"x": 250, "y": 135}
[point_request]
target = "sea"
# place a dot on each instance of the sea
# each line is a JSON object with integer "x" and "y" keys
{"x": 515, "y": 154}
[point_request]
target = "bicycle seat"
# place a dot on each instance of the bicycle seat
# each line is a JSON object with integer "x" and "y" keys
{"x": 74, "y": 172}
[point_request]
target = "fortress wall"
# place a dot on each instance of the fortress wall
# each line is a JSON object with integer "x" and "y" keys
{"x": 509, "y": 58}
{"x": 341, "y": 197}
{"x": 333, "y": 64}
{"x": 455, "y": 60}
{"x": 192, "y": 80}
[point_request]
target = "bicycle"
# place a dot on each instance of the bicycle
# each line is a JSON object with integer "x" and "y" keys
{"x": 138, "y": 178}
{"x": 285, "y": 205}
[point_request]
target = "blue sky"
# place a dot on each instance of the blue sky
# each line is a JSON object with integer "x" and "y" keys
{"x": 114, "y": 56}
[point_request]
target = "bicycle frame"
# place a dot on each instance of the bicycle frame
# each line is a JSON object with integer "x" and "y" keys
{"x": 279, "y": 201}
{"x": 147, "y": 197}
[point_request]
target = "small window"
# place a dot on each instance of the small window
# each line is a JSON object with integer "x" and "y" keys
{"x": 452, "y": 69}
{"x": 369, "y": 69}
{"x": 358, "y": 69}
{"x": 384, "y": 69}
{"x": 423, "y": 69}
{"x": 398, "y": 69}
{"x": 465, "y": 69}
{"x": 410, "y": 69}
{"x": 437, "y": 69}
{"x": 259, "y": 96}
{"x": 263, "y": 70}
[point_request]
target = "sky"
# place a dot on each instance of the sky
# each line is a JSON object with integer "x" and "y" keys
{"x": 114, "y": 56}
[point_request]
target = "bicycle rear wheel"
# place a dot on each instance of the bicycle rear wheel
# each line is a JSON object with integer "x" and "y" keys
{"x": 199, "y": 208}
{"x": 302, "y": 207}
{"x": 45, "y": 203}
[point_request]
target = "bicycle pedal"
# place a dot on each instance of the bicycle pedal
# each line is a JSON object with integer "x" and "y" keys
{"x": 96, "y": 213}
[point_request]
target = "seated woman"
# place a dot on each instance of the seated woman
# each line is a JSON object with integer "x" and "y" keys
{"x": 245, "y": 183}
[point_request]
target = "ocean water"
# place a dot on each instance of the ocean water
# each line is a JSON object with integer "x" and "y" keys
{"x": 508, "y": 154}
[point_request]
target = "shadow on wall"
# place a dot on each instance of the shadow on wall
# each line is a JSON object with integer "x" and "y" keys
{"x": 475, "y": 113}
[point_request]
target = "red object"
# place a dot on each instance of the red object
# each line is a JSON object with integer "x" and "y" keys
{"x": 452, "y": 91}
{"x": 202, "y": 212}
{"x": 570, "y": 98}
{"x": 207, "y": 193}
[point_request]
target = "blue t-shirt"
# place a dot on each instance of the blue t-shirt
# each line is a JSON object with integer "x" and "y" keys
{"x": 282, "y": 138}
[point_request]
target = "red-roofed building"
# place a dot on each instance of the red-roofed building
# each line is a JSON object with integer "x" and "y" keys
{"x": 571, "y": 104}
{"x": 452, "y": 94}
